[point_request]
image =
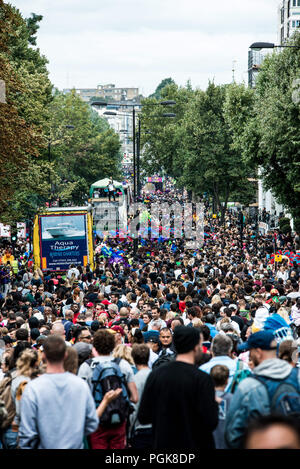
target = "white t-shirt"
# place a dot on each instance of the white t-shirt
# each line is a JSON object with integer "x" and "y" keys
{"x": 293, "y": 295}
{"x": 85, "y": 371}
{"x": 71, "y": 271}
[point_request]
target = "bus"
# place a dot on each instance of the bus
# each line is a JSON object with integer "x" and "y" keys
{"x": 63, "y": 236}
{"x": 110, "y": 216}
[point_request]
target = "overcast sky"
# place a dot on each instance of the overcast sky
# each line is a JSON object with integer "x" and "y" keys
{"x": 137, "y": 43}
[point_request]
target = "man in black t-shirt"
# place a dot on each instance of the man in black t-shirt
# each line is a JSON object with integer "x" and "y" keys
{"x": 179, "y": 399}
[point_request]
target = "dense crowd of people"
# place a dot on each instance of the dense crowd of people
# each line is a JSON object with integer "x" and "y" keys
{"x": 162, "y": 347}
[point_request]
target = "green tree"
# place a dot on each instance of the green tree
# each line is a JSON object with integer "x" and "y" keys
{"x": 81, "y": 155}
{"x": 212, "y": 164}
{"x": 271, "y": 138}
{"x": 162, "y": 137}
{"x": 28, "y": 91}
{"x": 158, "y": 92}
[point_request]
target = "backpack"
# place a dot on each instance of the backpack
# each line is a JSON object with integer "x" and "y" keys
{"x": 6, "y": 397}
{"x": 3, "y": 412}
{"x": 284, "y": 395}
{"x": 163, "y": 360}
{"x": 107, "y": 376}
{"x": 240, "y": 374}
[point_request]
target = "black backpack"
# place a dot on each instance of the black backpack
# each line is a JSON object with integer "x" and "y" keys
{"x": 163, "y": 360}
{"x": 108, "y": 376}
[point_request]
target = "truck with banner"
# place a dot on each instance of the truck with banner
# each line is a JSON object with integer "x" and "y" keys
{"x": 63, "y": 236}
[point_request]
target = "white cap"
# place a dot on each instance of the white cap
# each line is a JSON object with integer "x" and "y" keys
{"x": 39, "y": 316}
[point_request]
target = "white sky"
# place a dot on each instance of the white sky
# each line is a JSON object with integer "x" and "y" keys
{"x": 137, "y": 43}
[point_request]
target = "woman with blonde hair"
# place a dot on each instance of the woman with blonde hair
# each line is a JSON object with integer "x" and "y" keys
{"x": 284, "y": 314}
{"x": 27, "y": 369}
{"x": 196, "y": 322}
{"x": 37, "y": 278}
{"x": 216, "y": 299}
{"x": 122, "y": 351}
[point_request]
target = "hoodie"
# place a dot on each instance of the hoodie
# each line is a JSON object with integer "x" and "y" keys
{"x": 251, "y": 399}
{"x": 273, "y": 368}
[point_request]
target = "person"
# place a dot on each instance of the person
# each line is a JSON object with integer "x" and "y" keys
{"x": 186, "y": 412}
{"x": 288, "y": 350}
{"x": 166, "y": 339}
{"x": 141, "y": 435}
{"x": 272, "y": 432}
{"x": 84, "y": 352}
{"x": 221, "y": 349}
{"x": 220, "y": 375}
{"x": 56, "y": 389}
{"x": 254, "y": 395}
{"x": 155, "y": 312}
{"x": 103, "y": 346}
{"x": 111, "y": 189}
{"x": 58, "y": 329}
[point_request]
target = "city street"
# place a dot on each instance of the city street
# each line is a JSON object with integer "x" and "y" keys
{"x": 149, "y": 228}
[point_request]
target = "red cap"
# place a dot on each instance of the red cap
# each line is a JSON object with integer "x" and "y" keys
{"x": 118, "y": 329}
{"x": 105, "y": 302}
{"x": 90, "y": 305}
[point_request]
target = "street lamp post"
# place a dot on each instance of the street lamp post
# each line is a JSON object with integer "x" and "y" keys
{"x": 269, "y": 45}
{"x": 136, "y": 145}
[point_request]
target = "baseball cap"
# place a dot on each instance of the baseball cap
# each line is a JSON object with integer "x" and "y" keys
{"x": 83, "y": 349}
{"x": 154, "y": 339}
{"x": 261, "y": 339}
{"x": 90, "y": 304}
{"x": 118, "y": 329}
{"x": 282, "y": 299}
{"x": 105, "y": 302}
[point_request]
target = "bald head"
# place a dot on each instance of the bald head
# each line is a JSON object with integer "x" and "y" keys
{"x": 69, "y": 314}
{"x": 58, "y": 329}
{"x": 123, "y": 312}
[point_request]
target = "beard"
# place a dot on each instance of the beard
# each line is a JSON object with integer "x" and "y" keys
{"x": 254, "y": 360}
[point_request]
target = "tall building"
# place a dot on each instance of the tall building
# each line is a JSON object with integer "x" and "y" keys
{"x": 255, "y": 59}
{"x": 288, "y": 19}
{"x": 108, "y": 93}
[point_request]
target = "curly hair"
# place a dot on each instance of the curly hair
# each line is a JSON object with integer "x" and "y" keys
{"x": 104, "y": 341}
{"x": 27, "y": 362}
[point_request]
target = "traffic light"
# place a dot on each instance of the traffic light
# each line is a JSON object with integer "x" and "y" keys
{"x": 13, "y": 233}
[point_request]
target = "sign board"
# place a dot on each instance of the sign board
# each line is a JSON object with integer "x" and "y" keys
{"x": 214, "y": 215}
{"x": 155, "y": 179}
{"x": 263, "y": 226}
{"x": 278, "y": 258}
{"x": 21, "y": 230}
{"x": 4, "y": 231}
{"x": 63, "y": 241}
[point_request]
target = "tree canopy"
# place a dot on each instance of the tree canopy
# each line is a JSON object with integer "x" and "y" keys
{"x": 266, "y": 124}
{"x": 34, "y": 120}
{"x": 196, "y": 147}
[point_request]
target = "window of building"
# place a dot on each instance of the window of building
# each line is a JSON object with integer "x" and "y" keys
{"x": 297, "y": 23}
{"x": 289, "y": 8}
{"x": 294, "y": 3}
